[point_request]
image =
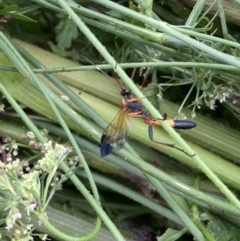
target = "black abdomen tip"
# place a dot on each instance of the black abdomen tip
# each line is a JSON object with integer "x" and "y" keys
{"x": 181, "y": 124}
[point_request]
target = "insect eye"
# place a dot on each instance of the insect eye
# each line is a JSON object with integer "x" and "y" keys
{"x": 125, "y": 92}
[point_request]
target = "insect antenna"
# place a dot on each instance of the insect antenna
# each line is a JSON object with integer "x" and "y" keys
{"x": 99, "y": 69}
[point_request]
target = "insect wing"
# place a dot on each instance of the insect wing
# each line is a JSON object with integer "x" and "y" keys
{"x": 115, "y": 135}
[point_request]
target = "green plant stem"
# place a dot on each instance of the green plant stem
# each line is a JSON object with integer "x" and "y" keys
{"x": 43, "y": 218}
{"x": 113, "y": 23}
{"x": 195, "y": 213}
{"x": 223, "y": 19}
{"x": 70, "y": 219}
{"x": 196, "y": 11}
{"x": 22, "y": 114}
{"x": 130, "y": 65}
{"x": 177, "y": 209}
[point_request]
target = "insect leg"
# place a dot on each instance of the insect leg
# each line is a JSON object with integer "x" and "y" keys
{"x": 150, "y": 134}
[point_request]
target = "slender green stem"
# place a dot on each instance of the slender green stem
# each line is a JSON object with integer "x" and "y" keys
{"x": 157, "y": 63}
{"x": 47, "y": 187}
{"x": 43, "y": 218}
{"x": 196, "y": 219}
{"x": 23, "y": 115}
{"x": 176, "y": 208}
{"x": 195, "y": 13}
{"x": 188, "y": 94}
{"x": 223, "y": 19}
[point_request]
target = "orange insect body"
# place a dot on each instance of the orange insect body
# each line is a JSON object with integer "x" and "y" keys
{"x": 115, "y": 135}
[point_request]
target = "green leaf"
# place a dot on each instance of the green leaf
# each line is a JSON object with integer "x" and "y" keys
{"x": 18, "y": 14}
{"x": 67, "y": 32}
{"x": 22, "y": 17}
{"x": 8, "y": 9}
{"x": 220, "y": 229}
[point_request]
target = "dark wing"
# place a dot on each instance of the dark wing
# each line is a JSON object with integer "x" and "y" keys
{"x": 115, "y": 135}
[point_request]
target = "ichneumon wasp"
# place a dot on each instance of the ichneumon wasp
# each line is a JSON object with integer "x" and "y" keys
{"x": 115, "y": 135}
